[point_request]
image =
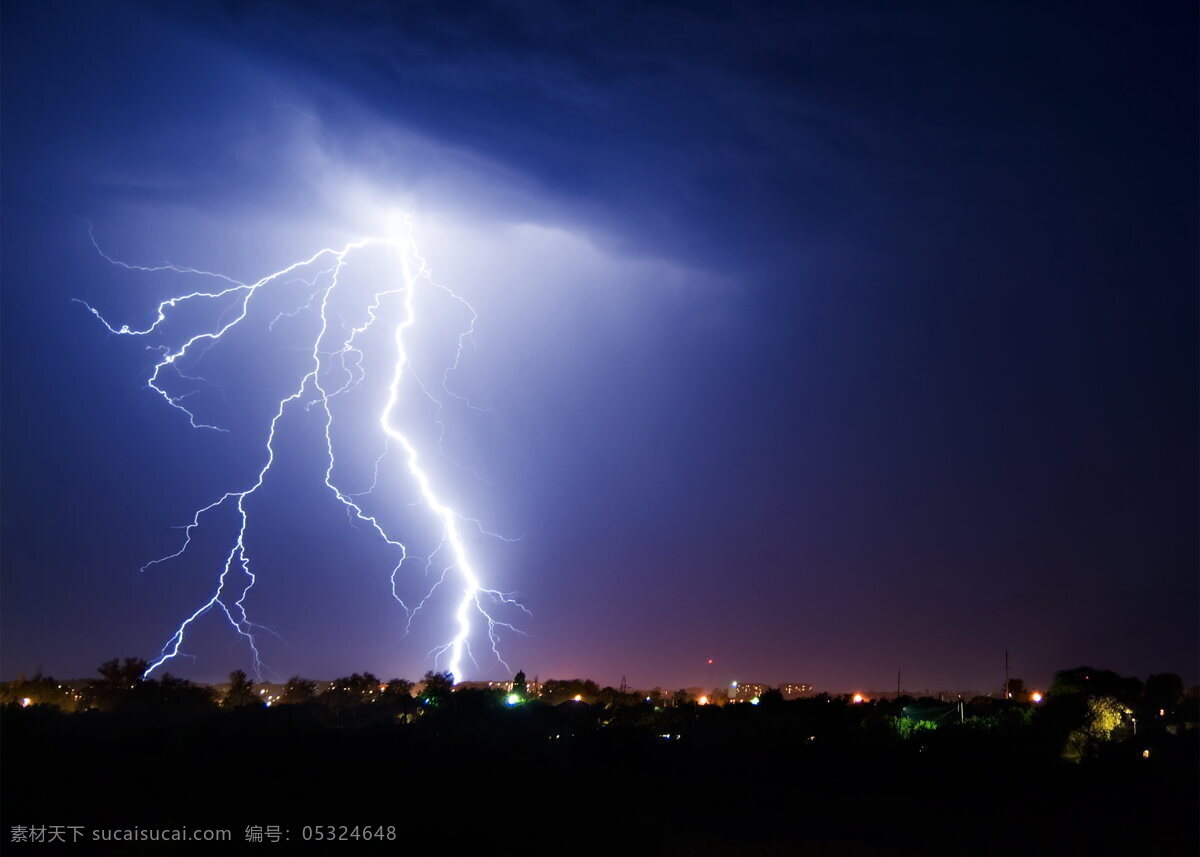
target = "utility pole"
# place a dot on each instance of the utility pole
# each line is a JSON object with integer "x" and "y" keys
{"x": 1006, "y": 673}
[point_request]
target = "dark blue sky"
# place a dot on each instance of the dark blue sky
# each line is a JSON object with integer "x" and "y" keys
{"x": 822, "y": 341}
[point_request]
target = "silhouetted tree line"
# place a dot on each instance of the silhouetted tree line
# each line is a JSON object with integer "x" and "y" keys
{"x": 1085, "y": 712}
{"x": 844, "y": 777}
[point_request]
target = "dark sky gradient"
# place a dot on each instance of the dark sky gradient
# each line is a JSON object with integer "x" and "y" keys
{"x": 823, "y": 342}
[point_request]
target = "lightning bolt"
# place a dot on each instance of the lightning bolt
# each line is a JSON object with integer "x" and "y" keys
{"x": 336, "y": 366}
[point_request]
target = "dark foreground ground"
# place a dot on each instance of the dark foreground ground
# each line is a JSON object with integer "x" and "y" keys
{"x": 500, "y": 782}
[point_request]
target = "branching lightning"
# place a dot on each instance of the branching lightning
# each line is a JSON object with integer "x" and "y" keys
{"x": 336, "y": 366}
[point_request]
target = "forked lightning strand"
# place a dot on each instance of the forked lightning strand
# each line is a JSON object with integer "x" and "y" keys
{"x": 334, "y": 370}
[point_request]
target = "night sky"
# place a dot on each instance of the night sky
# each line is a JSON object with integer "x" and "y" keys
{"x": 822, "y": 342}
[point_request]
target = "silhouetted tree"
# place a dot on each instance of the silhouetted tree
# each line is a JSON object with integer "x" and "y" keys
{"x": 121, "y": 687}
{"x": 438, "y": 686}
{"x": 298, "y": 691}
{"x": 1088, "y": 682}
{"x": 117, "y": 679}
{"x": 118, "y": 675}
{"x": 172, "y": 694}
{"x": 352, "y": 690}
{"x": 400, "y": 688}
{"x": 772, "y": 696}
{"x": 1163, "y": 690}
{"x": 241, "y": 691}
{"x": 518, "y": 685}
{"x": 398, "y": 695}
{"x": 555, "y": 691}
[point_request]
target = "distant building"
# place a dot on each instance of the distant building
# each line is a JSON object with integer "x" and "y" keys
{"x": 744, "y": 691}
{"x": 484, "y": 685}
{"x": 747, "y": 691}
{"x": 532, "y": 688}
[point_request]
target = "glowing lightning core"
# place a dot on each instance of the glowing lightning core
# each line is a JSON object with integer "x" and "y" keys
{"x": 314, "y": 390}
